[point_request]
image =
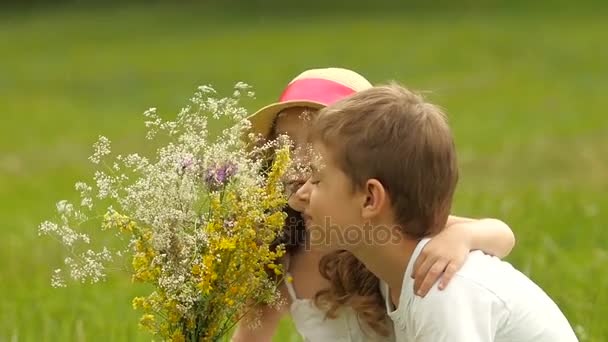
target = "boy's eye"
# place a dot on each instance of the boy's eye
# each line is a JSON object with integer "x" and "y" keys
{"x": 314, "y": 175}
{"x": 293, "y": 186}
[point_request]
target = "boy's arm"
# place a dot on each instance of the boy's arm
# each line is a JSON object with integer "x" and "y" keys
{"x": 262, "y": 322}
{"x": 446, "y": 253}
{"x": 464, "y": 312}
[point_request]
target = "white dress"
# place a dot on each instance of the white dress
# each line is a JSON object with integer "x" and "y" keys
{"x": 312, "y": 325}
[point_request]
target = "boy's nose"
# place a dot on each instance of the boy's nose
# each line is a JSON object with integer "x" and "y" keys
{"x": 299, "y": 198}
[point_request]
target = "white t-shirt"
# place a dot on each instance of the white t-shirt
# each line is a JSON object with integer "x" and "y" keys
{"x": 487, "y": 300}
{"x": 313, "y": 325}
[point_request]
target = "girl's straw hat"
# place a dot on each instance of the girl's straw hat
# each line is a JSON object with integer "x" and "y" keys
{"x": 315, "y": 88}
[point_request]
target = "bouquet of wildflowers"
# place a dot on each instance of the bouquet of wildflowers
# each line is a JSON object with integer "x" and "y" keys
{"x": 197, "y": 221}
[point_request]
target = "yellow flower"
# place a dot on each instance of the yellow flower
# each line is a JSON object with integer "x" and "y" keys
{"x": 226, "y": 244}
{"x": 140, "y": 262}
{"x": 128, "y": 226}
{"x": 150, "y": 253}
{"x": 290, "y": 279}
{"x": 164, "y": 329}
{"x": 208, "y": 261}
{"x": 147, "y": 236}
{"x": 196, "y": 269}
{"x": 147, "y": 321}
{"x": 205, "y": 287}
{"x": 177, "y": 336}
{"x": 210, "y": 227}
{"x": 138, "y": 303}
{"x": 147, "y": 305}
{"x": 174, "y": 316}
{"x": 276, "y": 219}
{"x": 156, "y": 272}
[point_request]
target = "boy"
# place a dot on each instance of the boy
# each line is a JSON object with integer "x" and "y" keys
{"x": 386, "y": 163}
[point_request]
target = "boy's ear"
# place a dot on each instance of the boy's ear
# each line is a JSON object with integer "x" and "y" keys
{"x": 375, "y": 199}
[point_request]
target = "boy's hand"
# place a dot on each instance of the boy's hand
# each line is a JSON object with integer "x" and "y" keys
{"x": 441, "y": 258}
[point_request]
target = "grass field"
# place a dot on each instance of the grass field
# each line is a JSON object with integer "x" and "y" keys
{"x": 526, "y": 94}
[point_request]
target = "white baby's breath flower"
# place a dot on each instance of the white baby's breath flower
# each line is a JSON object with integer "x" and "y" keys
{"x": 242, "y": 86}
{"x": 151, "y": 113}
{"x": 85, "y": 238}
{"x": 87, "y": 202}
{"x": 47, "y": 227}
{"x": 68, "y": 235}
{"x": 82, "y": 186}
{"x": 79, "y": 216}
{"x": 135, "y": 162}
{"x": 171, "y": 127}
{"x": 85, "y": 194}
{"x": 67, "y": 215}
{"x": 206, "y": 89}
{"x": 57, "y": 279}
{"x": 89, "y": 266}
{"x": 105, "y": 184}
{"x": 64, "y": 207}
{"x": 100, "y": 149}
{"x": 152, "y": 123}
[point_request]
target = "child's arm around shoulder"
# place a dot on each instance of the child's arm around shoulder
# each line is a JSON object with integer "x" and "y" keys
{"x": 490, "y": 235}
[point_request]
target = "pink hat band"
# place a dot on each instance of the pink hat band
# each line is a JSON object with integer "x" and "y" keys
{"x": 317, "y": 90}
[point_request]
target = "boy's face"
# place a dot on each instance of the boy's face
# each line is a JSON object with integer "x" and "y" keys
{"x": 331, "y": 209}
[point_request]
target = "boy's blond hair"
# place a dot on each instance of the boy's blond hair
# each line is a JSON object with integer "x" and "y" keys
{"x": 391, "y": 134}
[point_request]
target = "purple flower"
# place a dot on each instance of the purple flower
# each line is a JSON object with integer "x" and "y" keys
{"x": 229, "y": 224}
{"x": 218, "y": 175}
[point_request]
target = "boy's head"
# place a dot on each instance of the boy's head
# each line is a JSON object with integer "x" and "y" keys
{"x": 386, "y": 156}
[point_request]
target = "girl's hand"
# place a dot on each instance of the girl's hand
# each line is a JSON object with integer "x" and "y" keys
{"x": 447, "y": 252}
{"x": 441, "y": 258}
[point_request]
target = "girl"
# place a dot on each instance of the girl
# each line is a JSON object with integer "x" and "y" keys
{"x": 334, "y": 297}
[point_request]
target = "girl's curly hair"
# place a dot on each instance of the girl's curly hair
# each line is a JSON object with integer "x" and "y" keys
{"x": 352, "y": 284}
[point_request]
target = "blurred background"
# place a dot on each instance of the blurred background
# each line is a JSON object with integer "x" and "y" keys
{"x": 524, "y": 85}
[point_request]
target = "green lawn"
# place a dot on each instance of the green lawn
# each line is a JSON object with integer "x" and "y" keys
{"x": 526, "y": 94}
